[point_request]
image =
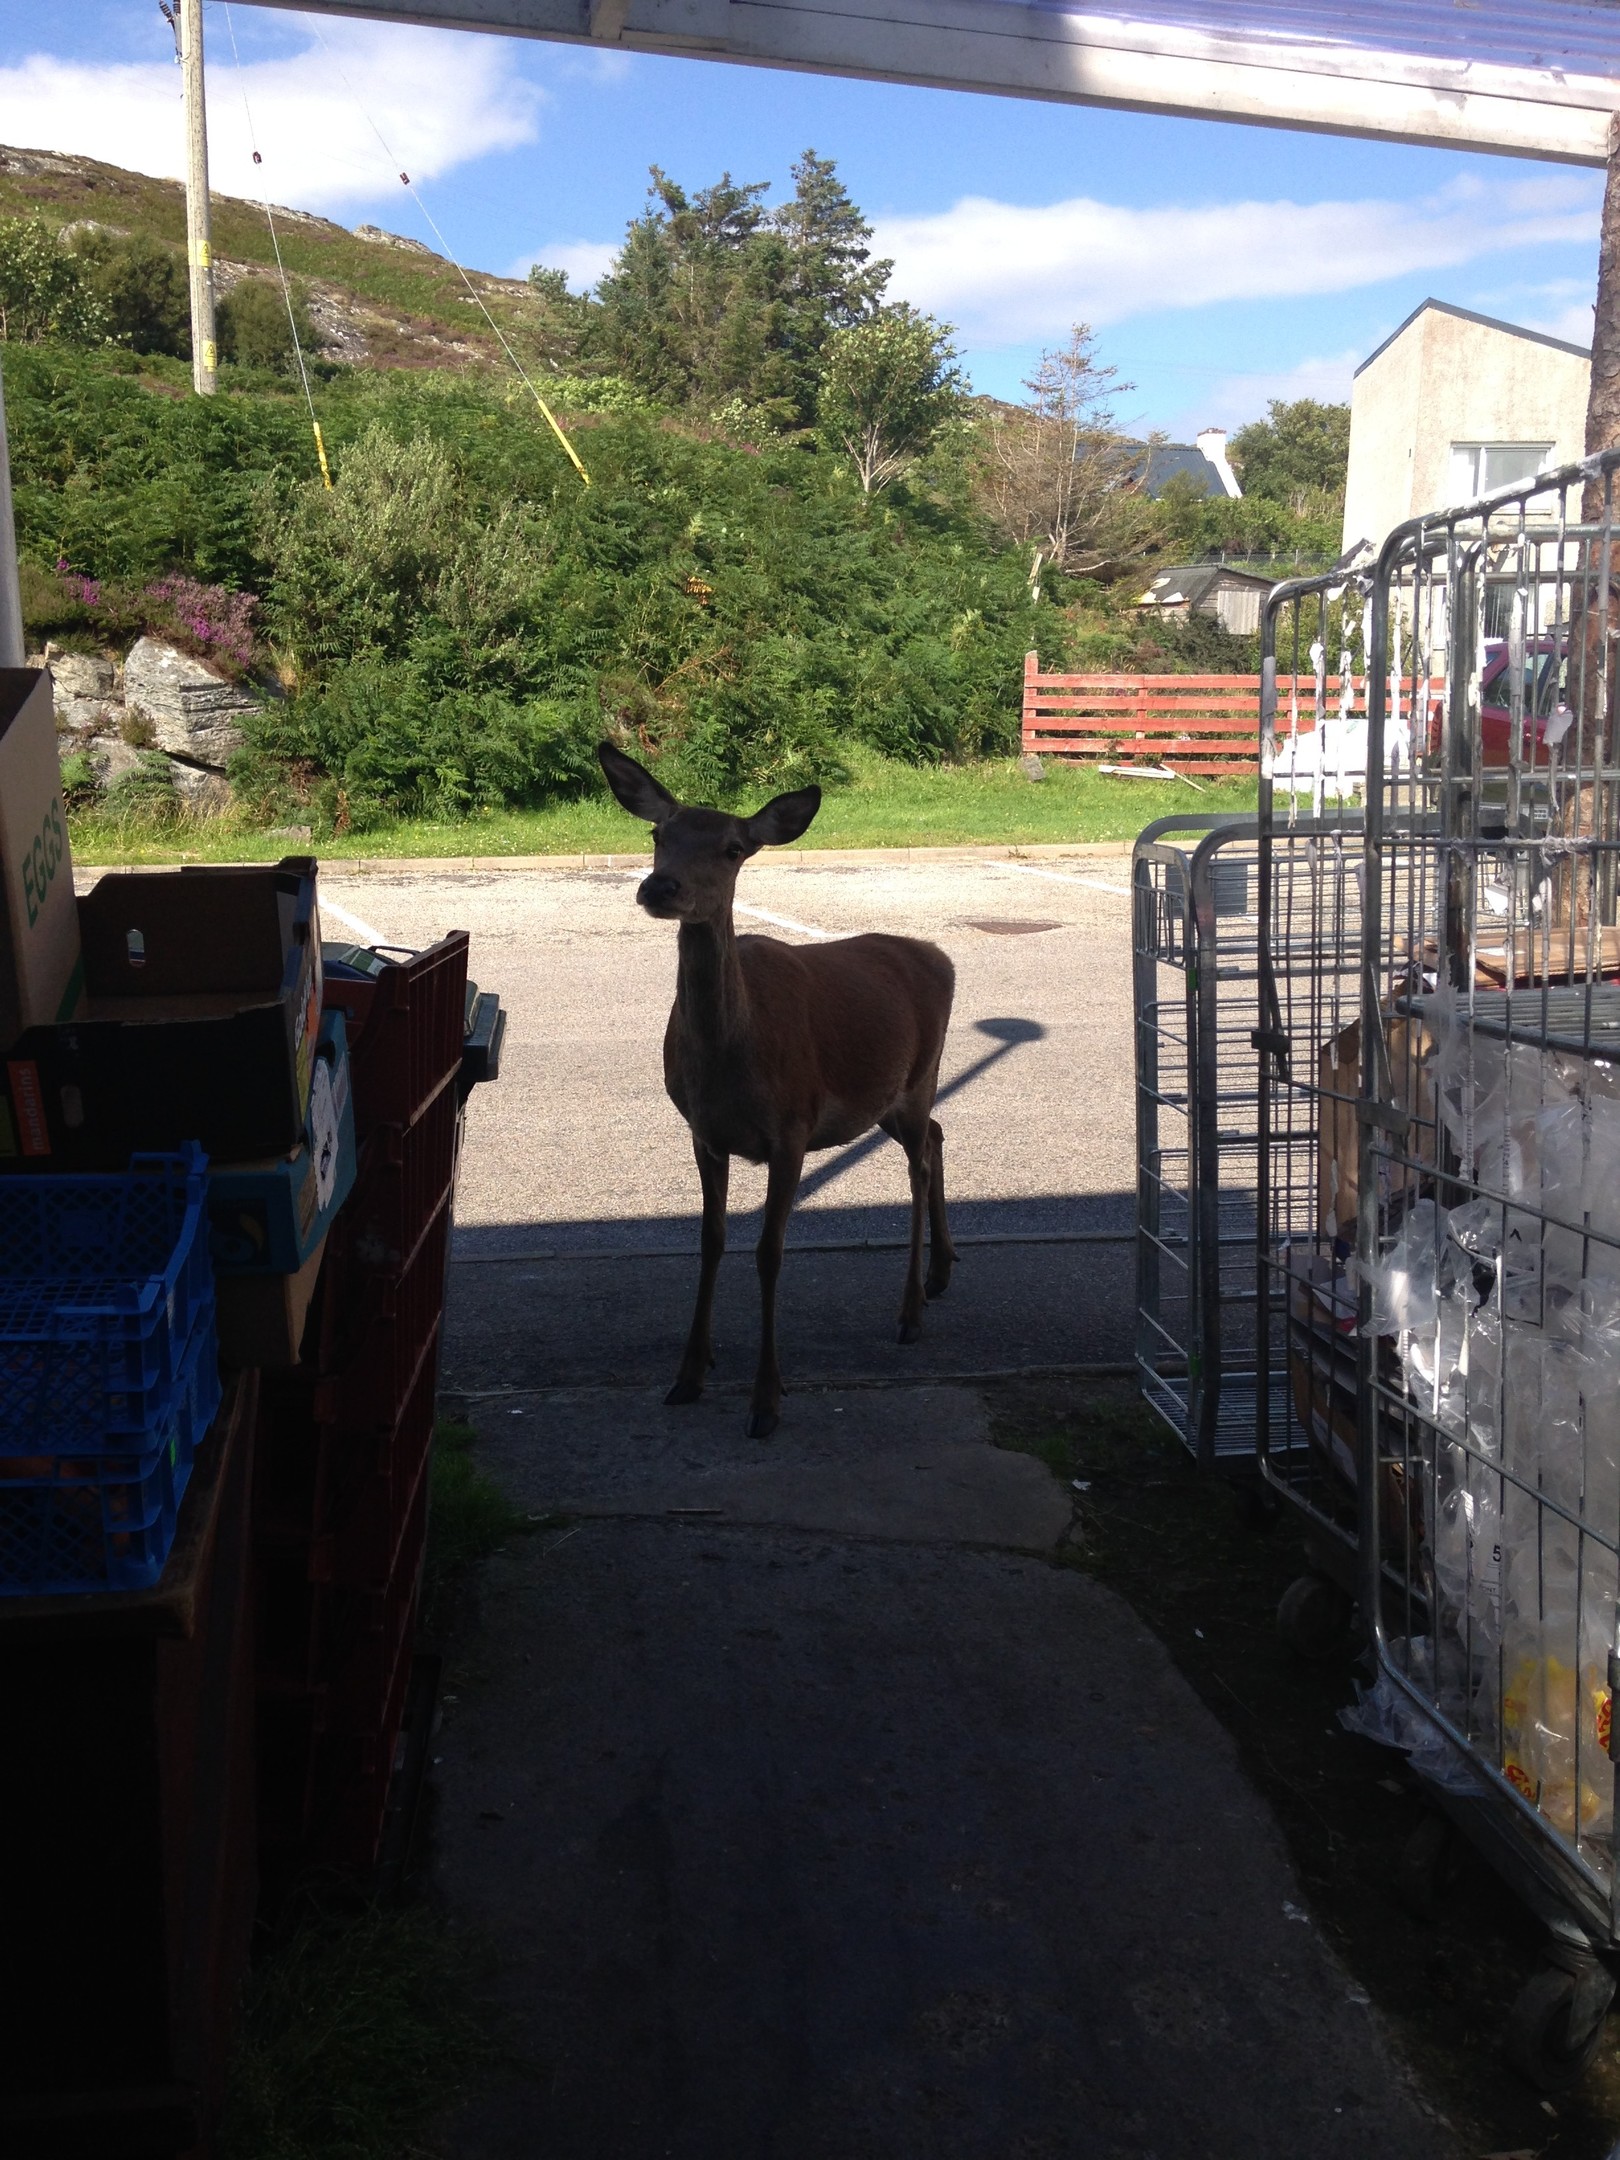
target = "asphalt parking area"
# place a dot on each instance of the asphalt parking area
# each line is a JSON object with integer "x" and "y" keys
{"x": 577, "y": 1161}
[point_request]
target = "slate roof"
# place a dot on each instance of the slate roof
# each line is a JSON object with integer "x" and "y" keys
{"x": 1195, "y": 583}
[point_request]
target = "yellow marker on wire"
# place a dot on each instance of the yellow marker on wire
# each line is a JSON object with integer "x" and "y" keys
{"x": 573, "y": 454}
{"x": 320, "y": 452}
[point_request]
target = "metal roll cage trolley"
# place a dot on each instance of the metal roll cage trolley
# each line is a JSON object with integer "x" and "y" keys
{"x": 1447, "y": 1304}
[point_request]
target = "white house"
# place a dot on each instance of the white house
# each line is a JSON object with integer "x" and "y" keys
{"x": 1452, "y": 405}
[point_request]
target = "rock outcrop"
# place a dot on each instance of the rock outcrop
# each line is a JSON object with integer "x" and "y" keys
{"x": 196, "y": 714}
{"x": 160, "y": 699}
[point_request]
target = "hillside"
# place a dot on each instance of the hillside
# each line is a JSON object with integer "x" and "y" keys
{"x": 376, "y": 299}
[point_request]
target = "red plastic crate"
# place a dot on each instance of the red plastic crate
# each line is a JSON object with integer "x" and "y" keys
{"x": 328, "y": 1737}
{"x": 411, "y": 1022}
{"x": 405, "y": 1176}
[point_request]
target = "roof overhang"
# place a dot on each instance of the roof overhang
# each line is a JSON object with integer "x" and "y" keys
{"x": 1276, "y": 63}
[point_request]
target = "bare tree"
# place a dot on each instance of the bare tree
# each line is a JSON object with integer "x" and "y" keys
{"x": 1056, "y": 475}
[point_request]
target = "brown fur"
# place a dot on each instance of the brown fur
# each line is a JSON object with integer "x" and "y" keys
{"x": 773, "y": 1050}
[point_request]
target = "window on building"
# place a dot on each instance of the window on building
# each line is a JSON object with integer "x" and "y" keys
{"x": 1477, "y": 468}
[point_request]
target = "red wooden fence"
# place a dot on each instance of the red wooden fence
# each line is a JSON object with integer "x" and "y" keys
{"x": 1200, "y": 724}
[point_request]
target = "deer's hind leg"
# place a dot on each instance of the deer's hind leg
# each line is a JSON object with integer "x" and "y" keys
{"x": 782, "y": 1183}
{"x": 912, "y": 1132}
{"x": 715, "y": 1173}
{"x": 941, "y": 1252}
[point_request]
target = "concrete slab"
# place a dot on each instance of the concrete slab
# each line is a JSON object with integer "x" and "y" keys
{"x": 570, "y": 1322}
{"x": 910, "y": 1463}
{"x": 798, "y": 1848}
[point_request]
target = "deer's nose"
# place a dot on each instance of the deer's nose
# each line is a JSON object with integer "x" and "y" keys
{"x": 658, "y": 893}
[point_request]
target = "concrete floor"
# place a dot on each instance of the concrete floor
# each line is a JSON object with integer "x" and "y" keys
{"x": 815, "y": 1808}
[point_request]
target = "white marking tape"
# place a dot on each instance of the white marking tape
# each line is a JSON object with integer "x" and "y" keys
{"x": 1067, "y": 877}
{"x": 362, "y": 930}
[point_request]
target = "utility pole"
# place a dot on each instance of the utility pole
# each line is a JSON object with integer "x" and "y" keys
{"x": 199, "y": 244}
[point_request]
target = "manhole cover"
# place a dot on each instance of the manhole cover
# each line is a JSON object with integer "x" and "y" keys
{"x": 1012, "y": 929}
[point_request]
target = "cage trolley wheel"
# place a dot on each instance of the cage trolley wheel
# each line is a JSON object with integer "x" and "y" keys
{"x": 1315, "y": 1617}
{"x": 1430, "y": 1865}
{"x": 1556, "y": 2024}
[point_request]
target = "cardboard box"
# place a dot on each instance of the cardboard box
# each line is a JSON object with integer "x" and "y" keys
{"x": 40, "y": 974}
{"x": 1322, "y": 1380}
{"x": 203, "y": 1001}
{"x": 266, "y": 1218}
{"x": 262, "y": 1318}
{"x": 1338, "y": 1171}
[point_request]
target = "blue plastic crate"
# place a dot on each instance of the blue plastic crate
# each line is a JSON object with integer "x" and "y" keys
{"x": 71, "y": 1523}
{"x": 106, "y": 1284}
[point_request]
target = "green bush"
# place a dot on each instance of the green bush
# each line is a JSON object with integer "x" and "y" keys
{"x": 142, "y": 289}
{"x": 145, "y": 795}
{"x": 44, "y": 292}
{"x": 254, "y": 328}
{"x": 458, "y": 618}
{"x": 80, "y": 787}
{"x": 380, "y": 739}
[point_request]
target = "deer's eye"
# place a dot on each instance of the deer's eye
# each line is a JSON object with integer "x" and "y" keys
{"x": 734, "y": 852}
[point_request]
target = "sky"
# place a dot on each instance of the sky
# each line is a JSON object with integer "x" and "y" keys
{"x": 1219, "y": 266}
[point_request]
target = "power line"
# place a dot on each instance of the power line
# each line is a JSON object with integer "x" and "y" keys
{"x": 281, "y": 268}
{"x": 477, "y": 297}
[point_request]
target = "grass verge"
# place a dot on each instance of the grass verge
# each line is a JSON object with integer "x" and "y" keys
{"x": 884, "y": 804}
{"x": 1177, "y": 1547}
{"x": 360, "y": 2026}
{"x": 468, "y": 1517}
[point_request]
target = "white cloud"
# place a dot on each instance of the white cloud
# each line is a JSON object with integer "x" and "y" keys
{"x": 437, "y": 99}
{"x": 1573, "y": 323}
{"x": 586, "y": 261}
{"x": 1007, "y": 274}
{"x": 1560, "y": 307}
{"x": 1234, "y": 400}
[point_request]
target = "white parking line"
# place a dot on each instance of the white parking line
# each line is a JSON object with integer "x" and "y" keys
{"x": 760, "y": 914}
{"x": 782, "y": 922}
{"x": 1066, "y": 877}
{"x": 362, "y": 930}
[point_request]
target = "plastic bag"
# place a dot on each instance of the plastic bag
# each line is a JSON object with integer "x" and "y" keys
{"x": 1405, "y": 1295}
{"x": 1386, "y": 1713}
{"x": 1465, "y": 1548}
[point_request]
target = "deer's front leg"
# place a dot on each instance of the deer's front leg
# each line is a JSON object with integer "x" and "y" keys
{"x": 715, "y": 1174}
{"x": 781, "y": 1185}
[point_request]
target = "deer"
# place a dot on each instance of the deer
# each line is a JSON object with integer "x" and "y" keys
{"x": 774, "y": 1050}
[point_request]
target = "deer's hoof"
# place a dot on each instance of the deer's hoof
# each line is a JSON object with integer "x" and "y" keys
{"x": 911, "y": 1331}
{"x": 761, "y": 1424}
{"x": 935, "y": 1288}
{"x": 684, "y": 1391}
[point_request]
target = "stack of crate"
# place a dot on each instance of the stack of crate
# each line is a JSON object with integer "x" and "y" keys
{"x": 346, "y": 1435}
{"x": 109, "y": 1371}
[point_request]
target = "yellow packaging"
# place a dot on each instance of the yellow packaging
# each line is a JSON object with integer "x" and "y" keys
{"x": 1539, "y": 1708}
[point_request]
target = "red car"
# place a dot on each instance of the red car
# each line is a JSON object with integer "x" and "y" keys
{"x": 1547, "y": 719}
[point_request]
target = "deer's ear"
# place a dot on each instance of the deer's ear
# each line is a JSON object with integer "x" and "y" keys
{"x": 636, "y": 789}
{"x": 784, "y": 817}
